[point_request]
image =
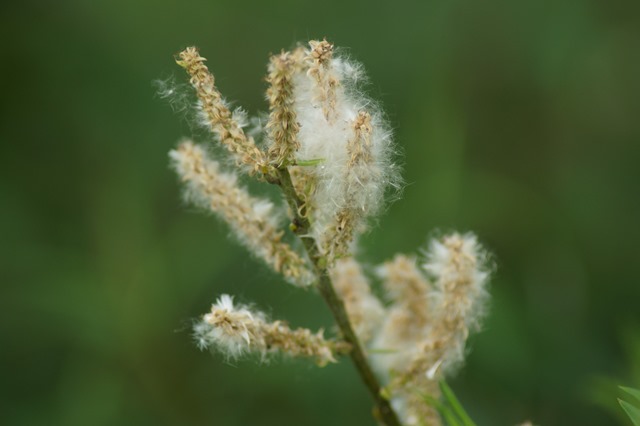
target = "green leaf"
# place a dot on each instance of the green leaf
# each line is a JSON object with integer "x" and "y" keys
{"x": 444, "y": 411}
{"x": 455, "y": 404}
{"x": 312, "y": 162}
{"x": 632, "y": 412}
{"x": 631, "y": 391}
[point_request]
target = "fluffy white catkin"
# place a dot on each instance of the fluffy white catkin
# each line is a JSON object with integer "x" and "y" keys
{"x": 406, "y": 320}
{"x": 237, "y": 330}
{"x": 331, "y": 111}
{"x": 457, "y": 266}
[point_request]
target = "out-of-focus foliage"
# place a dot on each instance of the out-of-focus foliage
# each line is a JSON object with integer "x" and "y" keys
{"x": 518, "y": 120}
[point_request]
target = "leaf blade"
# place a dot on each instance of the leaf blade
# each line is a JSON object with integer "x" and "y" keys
{"x": 455, "y": 404}
{"x": 632, "y": 411}
{"x": 631, "y": 391}
{"x": 444, "y": 411}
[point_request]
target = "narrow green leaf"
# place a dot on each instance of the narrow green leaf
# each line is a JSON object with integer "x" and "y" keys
{"x": 312, "y": 162}
{"x": 444, "y": 411}
{"x": 455, "y": 404}
{"x": 631, "y": 391}
{"x": 632, "y": 412}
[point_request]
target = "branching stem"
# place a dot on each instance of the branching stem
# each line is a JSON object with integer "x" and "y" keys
{"x": 300, "y": 226}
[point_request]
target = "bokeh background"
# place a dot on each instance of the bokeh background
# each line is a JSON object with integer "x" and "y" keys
{"x": 518, "y": 120}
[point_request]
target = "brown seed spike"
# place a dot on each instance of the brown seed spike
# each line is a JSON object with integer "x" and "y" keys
{"x": 248, "y": 216}
{"x": 218, "y": 116}
{"x": 282, "y": 126}
{"x": 321, "y": 71}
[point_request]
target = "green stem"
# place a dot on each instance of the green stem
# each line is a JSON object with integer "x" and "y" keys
{"x": 301, "y": 227}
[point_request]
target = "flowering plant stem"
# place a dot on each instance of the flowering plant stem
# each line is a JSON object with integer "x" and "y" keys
{"x": 300, "y": 226}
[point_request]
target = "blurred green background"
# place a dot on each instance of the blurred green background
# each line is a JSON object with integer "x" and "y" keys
{"x": 518, "y": 120}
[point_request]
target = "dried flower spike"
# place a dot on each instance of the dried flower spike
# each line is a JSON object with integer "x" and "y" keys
{"x": 236, "y": 330}
{"x": 322, "y": 72}
{"x": 217, "y": 115}
{"x": 282, "y": 126}
{"x": 364, "y": 309}
{"x": 407, "y": 318}
{"x": 457, "y": 265}
{"x": 251, "y": 218}
{"x": 360, "y": 173}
